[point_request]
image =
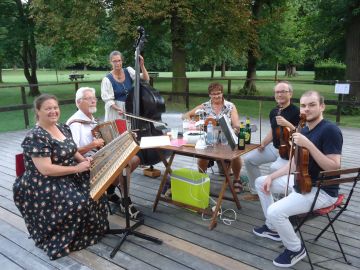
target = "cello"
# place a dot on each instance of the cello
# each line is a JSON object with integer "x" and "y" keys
{"x": 302, "y": 179}
{"x": 283, "y": 134}
{"x": 146, "y": 105}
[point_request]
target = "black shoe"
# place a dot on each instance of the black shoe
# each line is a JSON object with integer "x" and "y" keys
{"x": 112, "y": 196}
{"x": 133, "y": 212}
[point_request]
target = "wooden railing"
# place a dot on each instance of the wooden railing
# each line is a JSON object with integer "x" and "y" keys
{"x": 24, "y": 106}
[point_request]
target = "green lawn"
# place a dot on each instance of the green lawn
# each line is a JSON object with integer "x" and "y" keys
{"x": 198, "y": 84}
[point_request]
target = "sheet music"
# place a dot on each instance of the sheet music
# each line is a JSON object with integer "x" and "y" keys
{"x": 154, "y": 141}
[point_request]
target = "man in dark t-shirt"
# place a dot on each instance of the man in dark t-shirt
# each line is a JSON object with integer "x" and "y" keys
{"x": 286, "y": 116}
{"x": 324, "y": 142}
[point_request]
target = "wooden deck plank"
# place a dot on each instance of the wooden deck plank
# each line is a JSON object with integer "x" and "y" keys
{"x": 188, "y": 244}
{"x": 185, "y": 250}
{"x": 8, "y": 264}
{"x": 22, "y": 257}
{"x": 191, "y": 219}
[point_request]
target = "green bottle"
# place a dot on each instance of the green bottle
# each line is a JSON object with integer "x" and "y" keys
{"x": 247, "y": 131}
{"x": 241, "y": 137}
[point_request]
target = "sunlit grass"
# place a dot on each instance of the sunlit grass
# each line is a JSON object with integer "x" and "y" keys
{"x": 15, "y": 120}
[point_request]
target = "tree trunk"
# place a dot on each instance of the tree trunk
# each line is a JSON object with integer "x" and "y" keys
{"x": 250, "y": 84}
{"x": 178, "y": 54}
{"x": 1, "y": 79}
{"x": 353, "y": 57}
{"x": 249, "y": 87}
{"x": 213, "y": 70}
{"x": 223, "y": 68}
{"x": 290, "y": 70}
{"x": 30, "y": 65}
{"x": 28, "y": 48}
{"x": 276, "y": 71}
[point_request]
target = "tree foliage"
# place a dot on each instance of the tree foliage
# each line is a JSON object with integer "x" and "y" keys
{"x": 182, "y": 34}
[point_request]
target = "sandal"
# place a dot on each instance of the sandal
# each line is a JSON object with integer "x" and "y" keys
{"x": 237, "y": 186}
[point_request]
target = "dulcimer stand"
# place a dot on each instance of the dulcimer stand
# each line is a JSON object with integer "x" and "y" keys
{"x": 129, "y": 230}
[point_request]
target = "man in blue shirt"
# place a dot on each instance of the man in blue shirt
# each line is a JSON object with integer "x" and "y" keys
{"x": 324, "y": 142}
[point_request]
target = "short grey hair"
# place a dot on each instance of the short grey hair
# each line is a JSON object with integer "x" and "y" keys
{"x": 291, "y": 89}
{"x": 114, "y": 53}
{"x": 80, "y": 93}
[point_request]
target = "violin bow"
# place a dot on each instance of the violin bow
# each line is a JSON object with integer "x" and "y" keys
{"x": 144, "y": 119}
{"x": 290, "y": 163}
{"x": 260, "y": 108}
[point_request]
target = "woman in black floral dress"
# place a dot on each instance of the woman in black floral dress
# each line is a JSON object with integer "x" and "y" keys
{"x": 53, "y": 194}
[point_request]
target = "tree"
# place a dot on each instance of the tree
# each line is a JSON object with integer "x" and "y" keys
{"x": 352, "y": 58}
{"x": 73, "y": 30}
{"x": 335, "y": 32}
{"x": 25, "y": 32}
{"x": 8, "y": 42}
{"x": 283, "y": 41}
{"x": 260, "y": 9}
{"x": 199, "y": 30}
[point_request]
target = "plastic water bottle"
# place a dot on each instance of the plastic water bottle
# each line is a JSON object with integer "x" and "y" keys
{"x": 210, "y": 133}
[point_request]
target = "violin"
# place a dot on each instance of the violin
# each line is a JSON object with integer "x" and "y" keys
{"x": 283, "y": 134}
{"x": 302, "y": 179}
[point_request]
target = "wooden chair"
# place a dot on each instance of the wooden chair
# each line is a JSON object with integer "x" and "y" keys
{"x": 19, "y": 164}
{"x": 334, "y": 211}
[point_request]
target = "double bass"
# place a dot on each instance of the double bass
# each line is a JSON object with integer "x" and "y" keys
{"x": 146, "y": 105}
{"x": 302, "y": 179}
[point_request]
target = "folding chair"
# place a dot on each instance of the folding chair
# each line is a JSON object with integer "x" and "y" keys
{"x": 341, "y": 176}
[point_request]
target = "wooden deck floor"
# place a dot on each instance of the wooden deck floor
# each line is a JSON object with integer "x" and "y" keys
{"x": 187, "y": 242}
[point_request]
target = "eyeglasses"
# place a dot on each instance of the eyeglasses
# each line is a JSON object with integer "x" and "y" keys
{"x": 89, "y": 99}
{"x": 281, "y": 92}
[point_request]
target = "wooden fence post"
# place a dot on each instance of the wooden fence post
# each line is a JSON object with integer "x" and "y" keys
{"x": 338, "y": 108}
{"x": 23, "y": 98}
{"x": 187, "y": 94}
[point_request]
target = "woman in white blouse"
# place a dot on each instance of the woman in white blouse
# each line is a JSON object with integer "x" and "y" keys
{"x": 117, "y": 84}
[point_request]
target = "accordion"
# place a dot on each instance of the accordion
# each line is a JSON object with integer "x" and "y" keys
{"x": 109, "y": 162}
{"x": 109, "y": 130}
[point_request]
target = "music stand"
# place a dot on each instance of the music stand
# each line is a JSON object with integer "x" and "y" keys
{"x": 129, "y": 230}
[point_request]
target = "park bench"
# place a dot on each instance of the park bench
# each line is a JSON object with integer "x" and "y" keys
{"x": 76, "y": 77}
